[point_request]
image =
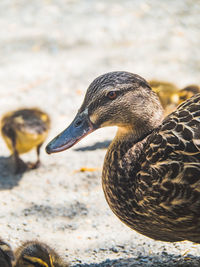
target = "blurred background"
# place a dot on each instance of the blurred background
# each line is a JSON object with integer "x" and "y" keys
{"x": 50, "y": 51}
{"x": 59, "y": 47}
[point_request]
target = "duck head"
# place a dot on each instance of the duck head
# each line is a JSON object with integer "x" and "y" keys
{"x": 118, "y": 99}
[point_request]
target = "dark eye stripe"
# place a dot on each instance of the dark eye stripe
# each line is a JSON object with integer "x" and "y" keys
{"x": 103, "y": 100}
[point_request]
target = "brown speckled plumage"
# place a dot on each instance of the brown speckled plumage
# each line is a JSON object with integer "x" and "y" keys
{"x": 151, "y": 173}
{"x": 154, "y": 186}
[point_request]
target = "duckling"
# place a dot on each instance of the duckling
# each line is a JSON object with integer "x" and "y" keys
{"x": 170, "y": 95}
{"x": 36, "y": 254}
{"x": 188, "y": 92}
{"x": 6, "y": 254}
{"x": 167, "y": 92}
{"x": 23, "y": 130}
{"x": 151, "y": 171}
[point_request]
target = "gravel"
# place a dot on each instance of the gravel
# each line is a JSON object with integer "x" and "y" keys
{"x": 50, "y": 52}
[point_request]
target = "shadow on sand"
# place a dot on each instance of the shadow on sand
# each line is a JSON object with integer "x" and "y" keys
{"x": 163, "y": 260}
{"x": 8, "y": 179}
{"x": 98, "y": 145}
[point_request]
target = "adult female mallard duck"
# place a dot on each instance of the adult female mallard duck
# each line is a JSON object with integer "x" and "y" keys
{"x": 151, "y": 172}
{"x": 36, "y": 254}
{"x": 23, "y": 130}
{"x": 6, "y": 254}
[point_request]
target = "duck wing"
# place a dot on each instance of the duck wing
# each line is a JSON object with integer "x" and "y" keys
{"x": 177, "y": 140}
{"x": 169, "y": 179}
{"x": 179, "y": 133}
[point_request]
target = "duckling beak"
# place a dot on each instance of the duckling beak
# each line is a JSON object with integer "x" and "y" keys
{"x": 79, "y": 128}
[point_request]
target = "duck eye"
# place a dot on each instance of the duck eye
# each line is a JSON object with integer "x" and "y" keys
{"x": 112, "y": 95}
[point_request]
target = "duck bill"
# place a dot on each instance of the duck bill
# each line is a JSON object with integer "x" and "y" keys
{"x": 80, "y": 127}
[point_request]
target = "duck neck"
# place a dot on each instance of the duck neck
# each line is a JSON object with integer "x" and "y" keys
{"x": 129, "y": 140}
{"x": 124, "y": 152}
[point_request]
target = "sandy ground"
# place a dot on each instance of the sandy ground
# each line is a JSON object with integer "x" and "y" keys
{"x": 50, "y": 51}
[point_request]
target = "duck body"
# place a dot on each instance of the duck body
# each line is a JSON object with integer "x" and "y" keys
{"x": 23, "y": 130}
{"x": 151, "y": 172}
{"x": 160, "y": 178}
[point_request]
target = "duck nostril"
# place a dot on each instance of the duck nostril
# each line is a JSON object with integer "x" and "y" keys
{"x": 78, "y": 122}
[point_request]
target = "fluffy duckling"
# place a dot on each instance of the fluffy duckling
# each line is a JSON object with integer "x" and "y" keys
{"x": 188, "y": 92}
{"x": 6, "y": 254}
{"x": 170, "y": 95}
{"x": 23, "y": 130}
{"x": 36, "y": 254}
{"x": 151, "y": 172}
{"x": 167, "y": 92}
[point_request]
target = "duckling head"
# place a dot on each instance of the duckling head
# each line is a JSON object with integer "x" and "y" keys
{"x": 36, "y": 254}
{"x": 118, "y": 99}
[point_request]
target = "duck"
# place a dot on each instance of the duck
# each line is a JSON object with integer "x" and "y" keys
{"x": 188, "y": 91}
{"x": 6, "y": 254}
{"x": 151, "y": 171}
{"x": 23, "y": 130}
{"x": 37, "y": 254}
{"x": 167, "y": 92}
{"x": 170, "y": 95}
